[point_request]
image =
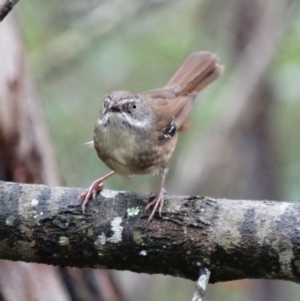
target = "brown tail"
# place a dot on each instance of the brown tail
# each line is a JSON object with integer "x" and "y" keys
{"x": 197, "y": 71}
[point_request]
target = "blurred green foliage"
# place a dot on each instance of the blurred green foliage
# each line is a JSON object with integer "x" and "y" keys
{"x": 140, "y": 54}
{"x": 285, "y": 77}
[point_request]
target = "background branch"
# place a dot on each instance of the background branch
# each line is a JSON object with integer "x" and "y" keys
{"x": 234, "y": 239}
{"x": 201, "y": 285}
{"x": 5, "y": 7}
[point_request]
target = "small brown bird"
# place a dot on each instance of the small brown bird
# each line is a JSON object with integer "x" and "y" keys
{"x": 136, "y": 134}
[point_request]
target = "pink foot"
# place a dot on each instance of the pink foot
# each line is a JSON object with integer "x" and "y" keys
{"x": 95, "y": 187}
{"x": 93, "y": 190}
{"x": 157, "y": 203}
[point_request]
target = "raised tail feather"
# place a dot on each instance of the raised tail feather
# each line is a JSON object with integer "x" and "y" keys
{"x": 196, "y": 72}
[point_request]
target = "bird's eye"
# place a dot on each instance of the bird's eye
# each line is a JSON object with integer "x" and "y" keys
{"x": 132, "y": 106}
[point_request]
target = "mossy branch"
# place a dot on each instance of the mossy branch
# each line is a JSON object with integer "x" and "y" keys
{"x": 234, "y": 239}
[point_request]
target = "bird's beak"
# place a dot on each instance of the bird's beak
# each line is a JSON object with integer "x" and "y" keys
{"x": 115, "y": 108}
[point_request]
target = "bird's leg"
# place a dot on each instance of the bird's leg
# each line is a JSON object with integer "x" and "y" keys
{"x": 158, "y": 202}
{"x": 95, "y": 187}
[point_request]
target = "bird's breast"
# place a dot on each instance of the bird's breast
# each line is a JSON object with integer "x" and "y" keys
{"x": 130, "y": 151}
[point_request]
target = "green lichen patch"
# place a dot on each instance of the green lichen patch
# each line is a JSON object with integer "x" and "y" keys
{"x": 297, "y": 265}
{"x": 133, "y": 211}
{"x": 37, "y": 217}
{"x": 79, "y": 217}
{"x": 10, "y": 220}
{"x": 63, "y": 240}
{"x": 138, "y": 237}
{"x": 198, "y": 204}
{"x": 285, "y": 257}
{"x": 90, "y": 232}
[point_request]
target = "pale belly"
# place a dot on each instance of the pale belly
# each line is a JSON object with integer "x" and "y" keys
{"x": 129, "y": 154}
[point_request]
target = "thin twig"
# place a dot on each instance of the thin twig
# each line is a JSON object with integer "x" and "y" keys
{"x": 201, "y": 285}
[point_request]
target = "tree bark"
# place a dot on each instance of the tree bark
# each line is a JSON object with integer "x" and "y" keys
{"x": 234, "y": 239}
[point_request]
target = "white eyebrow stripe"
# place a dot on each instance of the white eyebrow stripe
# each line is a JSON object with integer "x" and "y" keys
{"x": 127, "y": 100}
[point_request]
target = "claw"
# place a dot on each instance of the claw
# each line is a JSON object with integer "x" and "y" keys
{"x": 94, "y": 189}
{"x": 158, "y": 202}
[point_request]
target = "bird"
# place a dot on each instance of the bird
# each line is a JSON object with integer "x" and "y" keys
{"x": 136, "y": 133}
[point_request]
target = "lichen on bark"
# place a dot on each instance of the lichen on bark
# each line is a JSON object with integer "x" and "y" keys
{"x": 234, "y": 239}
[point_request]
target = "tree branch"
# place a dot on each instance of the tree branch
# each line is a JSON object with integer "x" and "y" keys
{"x": 201, "y": 285}
{"x": 5, "y": 7}
{"x": 234, "y": 239}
